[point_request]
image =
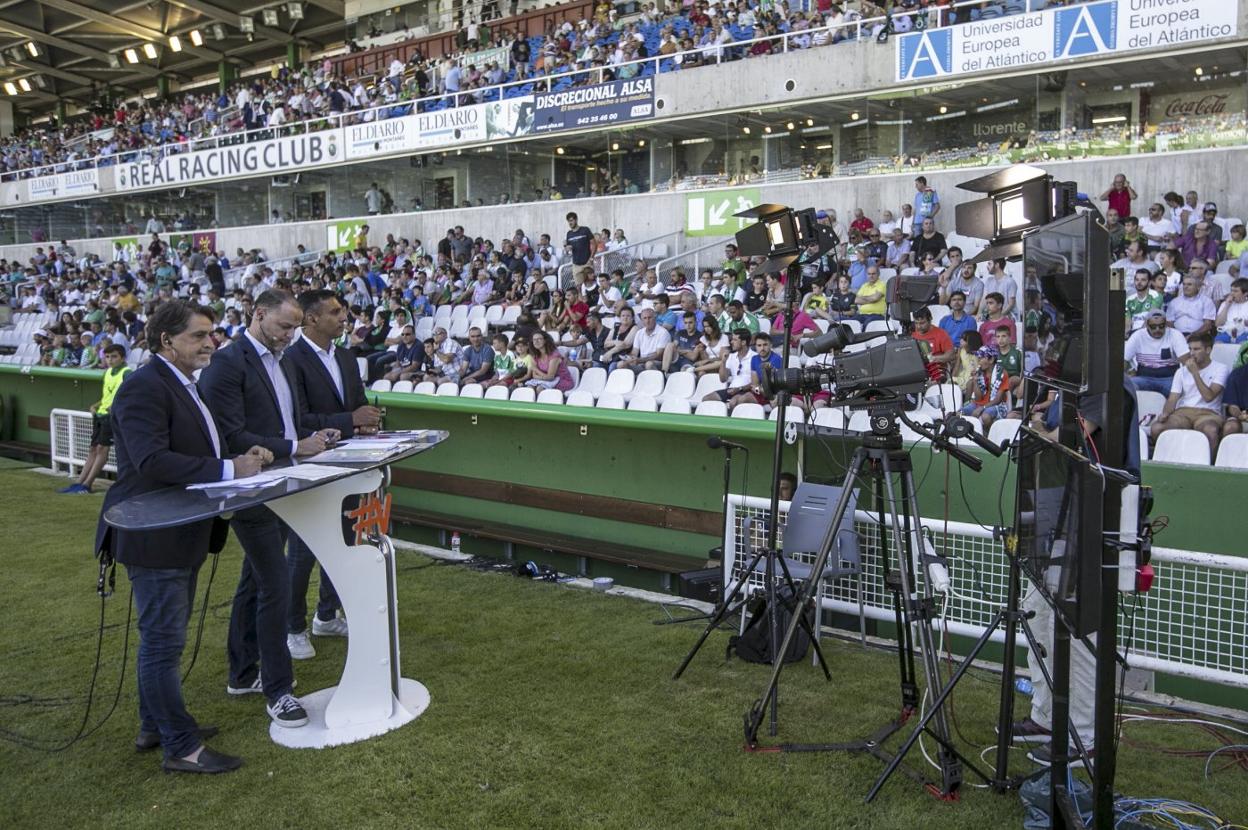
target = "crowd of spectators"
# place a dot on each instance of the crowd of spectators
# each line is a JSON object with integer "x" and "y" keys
{"x": 465, "y": 310}
{"x": 609, "y": 44}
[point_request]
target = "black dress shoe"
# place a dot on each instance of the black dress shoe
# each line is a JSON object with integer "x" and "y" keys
{"x": 151, "y": 740}
{"x": 209, "y": 762}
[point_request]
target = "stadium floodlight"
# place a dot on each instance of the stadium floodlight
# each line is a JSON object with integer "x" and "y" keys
{"x": 32, "y": 48}
{"x": 175, "y": 43}
{"x": 270, "y": 17}
{"x": 197, "y": 39}
{"x": 295, "y": 10}
{"x": 24, "y": 83}
{"x": 247, "y": 24}
{"x": 41, "y": 82}
{"x": 132, "y": 56}
{"x": 10, "y": 88}
{"x": 218, "y": 31}
{"x": 149, "y": 49}
{"x": 114, "y": 61}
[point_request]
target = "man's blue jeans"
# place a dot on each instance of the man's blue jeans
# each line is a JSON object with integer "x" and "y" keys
{"x": 261, "y": 605}
{"x": 164, "y": 597}
{"x": 1152, "y": 384}
{"x": 301, "y": 559}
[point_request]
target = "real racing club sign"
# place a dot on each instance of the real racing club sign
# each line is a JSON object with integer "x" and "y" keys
{"x": 279, "y": 155}
{"x": 1061, "y": 34}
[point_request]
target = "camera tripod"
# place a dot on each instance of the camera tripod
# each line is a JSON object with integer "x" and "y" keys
{"x": 882, "y": 455}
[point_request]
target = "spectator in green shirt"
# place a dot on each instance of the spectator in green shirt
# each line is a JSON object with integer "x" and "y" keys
{"x": 89, "y": 358}
{"x": 736, "y": 317}
{"x": 1142, "y": 301}
{"x": 1010, "y": 358}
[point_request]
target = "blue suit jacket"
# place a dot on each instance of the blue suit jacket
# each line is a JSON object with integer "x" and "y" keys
{"x": 321, "y": 405}
{"x": 162, "y": 441}
{"x": 237, "y": 389}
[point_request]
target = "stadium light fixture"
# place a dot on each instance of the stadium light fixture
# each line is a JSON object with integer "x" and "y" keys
{"x": 132, "y": 56}
{"x": 615, "y": 145}
{"x": 641, "y": 143}
{"x": 247, "y": 24}
{"x": 746, "y": 129}
{"x": 853, "y": 116}
{"x": 218, "y": 31}
{"x": 810, "y": 122}
{"x": 24, "y": 83}
{"x": 270, "y": 17}
{"x": 41, "y": 82}
{"x": 175, "y": 43}
{"x": 10, "y": 88}
{"x": 767, "y": 129}
{"x": 790, "y": 126}
{"x": 197, "y": 39}
{"x": 32, "y": 48}
{"x": 295, "y": 10}
{"x": 559, "y": 151}
{"x": 149, "y": 49}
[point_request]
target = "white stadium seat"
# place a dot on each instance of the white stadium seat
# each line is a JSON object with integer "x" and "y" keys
{"x": 592, "y": 381}
{"x": 550, "y": 396}
{"x": 1149, "y": 406}
{"x": 1233, "y": 452}
{"x": 1225, "y": 353}
{"x": 579, "y": 397}
{"x": 448, "y": 390}
{"x": 497, "y": 393}
{"x": 620, "y": 382}
{"x": 858, "y": 422}
{"x": 751, "y": 411}
{"x": 382, "y": 385}
{"x": 791, "y": 413}
{"x": 425, "y": 387}
{"x": 471, "y": 390}
{"x": 401, "y": 386}
{"x": 643, "y": 403}
{"x": 610, "y": 400}
{"x": 706, "y": 385}
{"x": 830, "y": 416}
{"x": 1004, "y": 430}
{"x": 715, "y": 408}
{"x": 648, "y": 384}
{"x": 524, "y": 394}
{"x": 1182, "y": 446}
{"x": 679, "y": 385}
{"x": 675, "y": 406}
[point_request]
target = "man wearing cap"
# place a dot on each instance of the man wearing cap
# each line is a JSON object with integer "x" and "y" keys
{"x": 1155, "y": 350}
{"x": 1210, "y": 215}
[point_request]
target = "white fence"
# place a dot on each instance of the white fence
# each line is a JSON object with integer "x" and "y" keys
{"x": 71, "y": 439}
{"x": 1193, "y": 623}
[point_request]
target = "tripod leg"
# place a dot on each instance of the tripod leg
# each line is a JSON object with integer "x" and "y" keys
{"x": 755, "y": 716}
{"x": 919, "y": 609}
{"x": 720, "y": 613}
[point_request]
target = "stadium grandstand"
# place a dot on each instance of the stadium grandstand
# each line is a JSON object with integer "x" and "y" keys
{"x": 527, "y": 213}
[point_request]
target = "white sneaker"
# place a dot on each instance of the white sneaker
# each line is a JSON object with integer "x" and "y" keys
{"x": 300, "y": 646}
{"x": 327, "y": 628}
{"x": 256, "y": 688}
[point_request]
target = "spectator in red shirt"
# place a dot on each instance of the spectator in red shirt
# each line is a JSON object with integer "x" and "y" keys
{"x": 861, "y": 222}
{"x": 936, "y": 345}
{"x": 993, "y": 304}
{"x": 803, "y": 326}
{"x": 1119, "y": 195}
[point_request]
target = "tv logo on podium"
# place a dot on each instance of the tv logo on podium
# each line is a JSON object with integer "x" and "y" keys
{"x": 1085, "y": 30}
{"x": 927, "y": 54}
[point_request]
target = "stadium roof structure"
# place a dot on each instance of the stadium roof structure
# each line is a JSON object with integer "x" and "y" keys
{"x": 71, "y": 49}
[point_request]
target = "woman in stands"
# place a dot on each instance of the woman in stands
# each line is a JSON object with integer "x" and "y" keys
{"x": 714, "y": 347}
{"x": 556, "y": 313}
{"x": 550, "y": 370}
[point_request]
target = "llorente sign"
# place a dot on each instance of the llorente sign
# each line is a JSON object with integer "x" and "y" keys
{"x": 236, "y": 160}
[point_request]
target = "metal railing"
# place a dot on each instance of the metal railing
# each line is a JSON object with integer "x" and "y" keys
{"x": 856, "y": 31}
{"x": 1189, "y": 625}
{"x": 692, "y": 260}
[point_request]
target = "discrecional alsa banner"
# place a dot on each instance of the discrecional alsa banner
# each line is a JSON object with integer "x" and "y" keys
{"x": 615, "y": 102}
{"x": 279, "y": 155}
{"x": 1081, "y": 30}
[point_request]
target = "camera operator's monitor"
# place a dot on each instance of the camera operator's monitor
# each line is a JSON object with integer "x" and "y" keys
{"x": 1066, "y": 297}
{"x": 1058, "y": 526}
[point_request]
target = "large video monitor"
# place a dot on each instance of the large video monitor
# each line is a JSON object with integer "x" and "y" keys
{"x": 1059, "y": 528}
{"x": 1066, "y": 274}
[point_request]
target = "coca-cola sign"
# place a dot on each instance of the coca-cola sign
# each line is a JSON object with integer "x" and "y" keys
{"x": 1212, "y": 104}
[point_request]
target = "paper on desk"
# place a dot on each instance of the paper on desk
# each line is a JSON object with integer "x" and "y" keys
{"x": 264, "y": 478}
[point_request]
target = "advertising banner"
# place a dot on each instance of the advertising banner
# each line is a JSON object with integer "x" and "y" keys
{"x": 378, "y": 138}
{"x": 73, "y": 183}
{"x": 508, "y": 118}
{"x": 500, "y": 55}
{"x": 205, "y": 241}
{"x": 278, "y": 155}
{"x": 710, "y": 213}
{"x": 616, "y": 102}
{"x": 1026, "y": 40}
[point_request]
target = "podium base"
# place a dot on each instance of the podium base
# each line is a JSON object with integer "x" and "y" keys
{"x": 413, "y": 700}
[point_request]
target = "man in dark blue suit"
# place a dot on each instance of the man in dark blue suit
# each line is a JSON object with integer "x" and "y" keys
{"x": 166, "y": 437}
{"x": 248, "y": 388}
{"x": 327, "y": 382}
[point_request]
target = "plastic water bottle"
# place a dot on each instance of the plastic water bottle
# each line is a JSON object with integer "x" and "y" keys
{"x": 455, "y": 542}
{"x": 1023, "y": 685}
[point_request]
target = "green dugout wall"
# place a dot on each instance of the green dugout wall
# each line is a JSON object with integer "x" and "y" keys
{"x": 635, "y": 495}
